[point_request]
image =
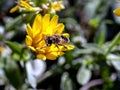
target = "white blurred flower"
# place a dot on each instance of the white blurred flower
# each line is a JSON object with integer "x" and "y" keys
{"x": 35, "y": 70}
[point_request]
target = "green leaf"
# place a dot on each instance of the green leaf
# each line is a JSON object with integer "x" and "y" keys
{"x": 101, "y": 34}
{"x": 14, "y": 46}
{"x": 68, "y": 56}
{"x": 89, "y": 49}
{"x": 94, "y": 48}
{"x": 10, "y": 26}
{"x": 40, "y": 2}
{"x": 114, "y": 42}
{"x": 83, "y": 75}
{"x": 115, "y": 61}
{"x": 78, "y": 52}
{"x": 66, "y": 83}
{"x": 13, "y": 74}
{"x": 90, "y": 8}
{"x": 94, "y": 22}
{"x": 113, "y": 57}
{"x": 71, "y": 21}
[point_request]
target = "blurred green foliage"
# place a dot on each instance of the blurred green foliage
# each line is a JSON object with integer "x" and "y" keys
{"x": 94, "y": 64}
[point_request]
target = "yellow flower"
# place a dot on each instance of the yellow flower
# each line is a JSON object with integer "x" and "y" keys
{"x": 31, "y": 6}
{"x": 37, "y": 33}
{"x": 57, "y": 5}
{"x": 117, "y": 11}
{"x": 24, "y": 4}
{"x": 1, "y": 49}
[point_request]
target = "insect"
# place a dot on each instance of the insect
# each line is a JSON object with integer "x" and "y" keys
{"x": 57, "y": 40}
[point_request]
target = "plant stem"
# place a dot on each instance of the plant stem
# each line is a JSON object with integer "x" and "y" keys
{"x": 114, "y": 42}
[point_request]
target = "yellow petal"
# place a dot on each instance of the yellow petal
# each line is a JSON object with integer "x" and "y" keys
{"x": 26, "y": 5}
{"x": 29, "y": 30}
{"x": 54, "y": 21}
{"x": 37, "y": 24}
{"x": 32, "y": 48}
{"x": 66, "y": 35}
{"x": 45, "y": 22}
{"x": 28, "y": 40}
{"x": 59, "y": 29}
{"x": 41, "y": 56}
{"x": 52, "y": 48}
{"x": 52, "y": 24}
{"x": 37, "y": 38}
{"x": 14, "y": 9}
{"x": 40, "y": 50}
{"x": 1, "y": 49}
{"x": 52, "y": 55}
{"x": 117, "y": 11}
{"x": 61, "y": 53}
{"x": 46, "y": 18}
{"x": 41, "y": 44}
{"x": 26, "y": 0}
{"x": 57, "y": 5}
{"x": 68, "y": 47}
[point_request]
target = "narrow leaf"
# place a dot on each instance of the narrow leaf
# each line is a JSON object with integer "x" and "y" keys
{"x": 14, "y": 46}
{"x": 13, "y": 73}
{"x": 101, "y": 34}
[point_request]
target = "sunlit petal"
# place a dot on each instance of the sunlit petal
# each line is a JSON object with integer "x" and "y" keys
{"x": 29, "y": 30}
{"x": 54, "y": 21}
{"x": 45, "y": 22}
{"x": 66, "y": 35}
{"x": 61, "y": 53}
{"x": 28, "y": 40}
{"x": 41, "y": 44}
{"x": 52, "y": 24}
{"x": 26, "y": 5}
{"x": 1, "y": 49}
{"x": 41, "y": 56}
{"x": 57, "y": 5}
{"x": 37, "y": 38}
{"x": 14, "y": 9}
{"x": 52, "y": 55}
{"x": 37, "y": 24}
{"x": 32, "y": 48}
{"x": 117, "y": 11}
{"x": 59, "y": 28}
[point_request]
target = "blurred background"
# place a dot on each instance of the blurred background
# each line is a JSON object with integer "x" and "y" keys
{"x": 94, "y": 64}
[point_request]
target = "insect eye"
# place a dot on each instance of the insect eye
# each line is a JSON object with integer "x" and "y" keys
{"x": 49, "y": 40}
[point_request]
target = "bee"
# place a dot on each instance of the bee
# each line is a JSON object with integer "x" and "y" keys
{"x": 57, "y": 40}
